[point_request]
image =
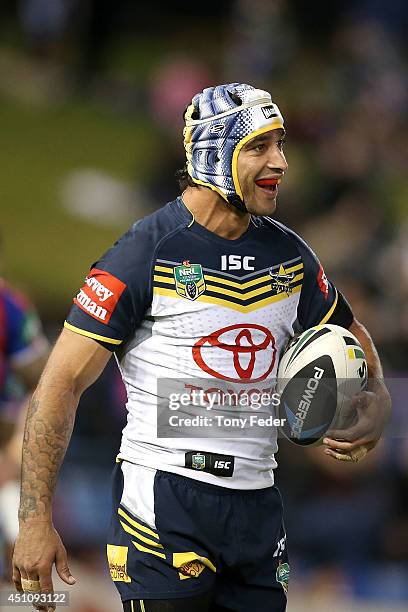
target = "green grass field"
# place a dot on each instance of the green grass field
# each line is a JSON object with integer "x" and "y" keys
{"x": 46, "y": 250}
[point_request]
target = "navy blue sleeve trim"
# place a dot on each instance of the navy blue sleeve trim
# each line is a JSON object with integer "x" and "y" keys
{"x": 342, "y": 314}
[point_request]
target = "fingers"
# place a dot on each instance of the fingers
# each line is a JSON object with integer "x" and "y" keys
{"x": 17, "y": 579}
{"x": 359, "y": 453}
{"x": 337, "y": 455}
{"x": 61, "y": 563}
{"x": 33, "y": 588}
{"x": 343, "y": 445}
{"x": 46, "y": 586}
{"x": 32, "y": 585}
{"x": 39, "y": 581}
{"x": 354, "y": 456}
{"x": 44, "y": 576}
{"x": 32, "y": 566}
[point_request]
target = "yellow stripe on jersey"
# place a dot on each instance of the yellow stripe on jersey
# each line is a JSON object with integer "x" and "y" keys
{"x": 151, "y": 552}
{"x": 229, "y": 304}
{"x": 294, "y": 268}
{"x": 164, "y": 279}
{"x": 244, "y": 295}
{"x": 167, "y": 269}
{"x": 247, "y": 295}
{"x": 137, "y": 525}
{"x": 329, "y": 314}
{"x": 231, "y": 283}
{"x": 88, "y": 334}
{"x": 139, "y": 536}
{"x": 224, "y": 281}
{"x": 239, "y": 296}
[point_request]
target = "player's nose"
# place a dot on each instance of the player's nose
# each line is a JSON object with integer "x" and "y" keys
{"x": 276, "y": 160}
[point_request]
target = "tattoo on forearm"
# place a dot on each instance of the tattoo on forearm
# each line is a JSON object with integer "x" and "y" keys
{"x": 46, "y": 437}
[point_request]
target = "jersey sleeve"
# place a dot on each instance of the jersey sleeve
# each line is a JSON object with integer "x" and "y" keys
{"x": 320, "y": 302}
{"x": 116, "y": 292}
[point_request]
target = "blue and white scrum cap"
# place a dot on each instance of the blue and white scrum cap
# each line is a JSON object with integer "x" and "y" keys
{"x": 219, "y": 121}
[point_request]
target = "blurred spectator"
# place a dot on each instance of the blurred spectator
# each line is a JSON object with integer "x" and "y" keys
{"x": 260, "y": 42}
{"x": 23, "y": 352}
{"x": 174, "y": 81}
{"x": 44, "y": 22}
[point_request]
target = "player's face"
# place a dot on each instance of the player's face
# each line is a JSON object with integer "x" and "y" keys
{"x": 261, "y": 166}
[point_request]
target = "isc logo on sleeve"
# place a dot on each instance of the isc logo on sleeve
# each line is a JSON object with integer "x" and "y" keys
{"x": 100, "y": 294}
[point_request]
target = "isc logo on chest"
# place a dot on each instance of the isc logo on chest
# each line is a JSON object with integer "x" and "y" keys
{"x": 237, "y": 262}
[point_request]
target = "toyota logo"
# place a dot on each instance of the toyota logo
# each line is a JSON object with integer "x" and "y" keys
{"x": 248, "y": 350}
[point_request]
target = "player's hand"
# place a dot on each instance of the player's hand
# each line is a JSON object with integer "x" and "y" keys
{"x": 352, "y": 444}
{"x": 37, "y": 548}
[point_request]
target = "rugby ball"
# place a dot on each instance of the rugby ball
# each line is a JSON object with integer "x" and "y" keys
{"x": 318, "y": 374}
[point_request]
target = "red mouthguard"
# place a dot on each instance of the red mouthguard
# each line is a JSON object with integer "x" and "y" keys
{"x": 267, "y": 182}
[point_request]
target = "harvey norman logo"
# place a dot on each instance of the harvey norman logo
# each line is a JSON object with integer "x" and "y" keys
{"x": 100, "y": 294}
{"x": 90, "y": 306}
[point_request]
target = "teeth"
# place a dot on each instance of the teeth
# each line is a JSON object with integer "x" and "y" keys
{"x": 268, "y": 187}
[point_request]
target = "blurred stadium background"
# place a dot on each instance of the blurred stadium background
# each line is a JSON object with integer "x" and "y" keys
{"x": 91, "y": 97}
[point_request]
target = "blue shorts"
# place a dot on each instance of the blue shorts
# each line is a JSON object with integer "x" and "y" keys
{"x": 173, "y": 537}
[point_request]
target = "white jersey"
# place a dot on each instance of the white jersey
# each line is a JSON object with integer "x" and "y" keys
{"x": 198, "y": 323}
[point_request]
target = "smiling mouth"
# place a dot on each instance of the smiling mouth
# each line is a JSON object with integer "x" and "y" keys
{"x": 268, "y": 184}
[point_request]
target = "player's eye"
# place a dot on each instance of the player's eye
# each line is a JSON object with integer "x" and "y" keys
{"x": 260, "y": 147}
{"x": 281, "y": 143}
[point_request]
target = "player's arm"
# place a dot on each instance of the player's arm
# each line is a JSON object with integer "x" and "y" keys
{"x": 74, "y": 364}
{"x": 373, "y": 407}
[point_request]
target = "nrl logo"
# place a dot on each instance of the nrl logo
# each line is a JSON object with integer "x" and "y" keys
{"x": 282, "y": 575}
{"x": 189, "y": 279}
{"x": 198, "y": 461}
{"x": 281, "y": 280}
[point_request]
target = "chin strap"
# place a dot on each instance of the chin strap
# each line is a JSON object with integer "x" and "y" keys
{"x": 236, "y": 201}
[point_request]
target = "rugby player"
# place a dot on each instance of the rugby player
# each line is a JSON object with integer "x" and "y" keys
{"x": 23, "y": 354}
{"x": 192, "y": 293}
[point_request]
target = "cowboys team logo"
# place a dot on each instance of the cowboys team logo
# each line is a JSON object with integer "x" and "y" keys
{"x": 281, "y": 280}
{"x": 189, "y": 280}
